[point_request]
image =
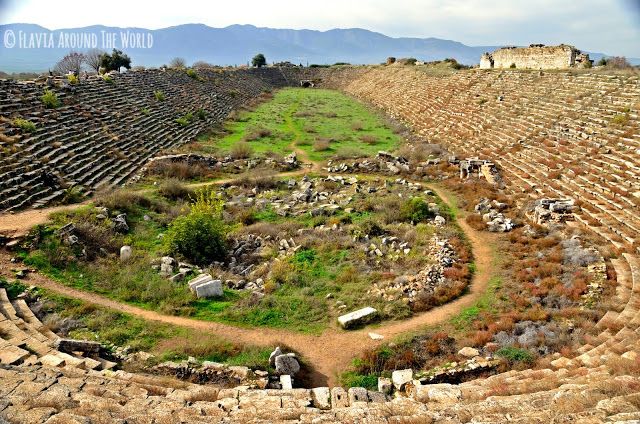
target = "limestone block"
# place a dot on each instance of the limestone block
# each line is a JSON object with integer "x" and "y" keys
{"x": 401, "y": 377}
{"x": 125, "y": 253}
{"x": 339, "y": 398}
{"x": 321, "y": 397}
{"x": 209, "y": 289}
{"x": 359, "y": 317}
{"x": 357, "y": 394}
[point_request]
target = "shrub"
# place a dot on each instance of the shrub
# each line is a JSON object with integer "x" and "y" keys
{"x": 241, "y": 150}
{"x": 24, "y": 125}
{"x": 369, "y": 139}
{"x": 475, "y": 221}
{"x": 50, "y": 99}
{"x": 513, "y": 66}
{"x": 515, "y": 354}
{"x": 107, "y": 78}
{"x": 620, "y": 119}
{"x": 415, "y": 210}
{"x": 125, "y": 201}
{"x": 371, "y": 227}
{"x": 201, "y": 114}
{"x": 174, "y": 190}
{"x": 357, "y": 126}
{"x": 321, "y": 145}
{"x": 192, "y": 73}
{"x": 73, "y": 80}
{"x": 179, "y": 170}
{"x": 159, "y": 95}
{"x": 200, "y": 236}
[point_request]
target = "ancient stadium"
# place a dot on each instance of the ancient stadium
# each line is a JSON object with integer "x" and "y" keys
{"x": 395, "y": 243}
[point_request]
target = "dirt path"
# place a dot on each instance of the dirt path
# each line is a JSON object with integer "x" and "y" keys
{"x": 329, "y": 352}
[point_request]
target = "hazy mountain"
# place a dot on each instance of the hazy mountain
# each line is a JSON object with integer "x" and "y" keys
{"x": 37, "y": 49}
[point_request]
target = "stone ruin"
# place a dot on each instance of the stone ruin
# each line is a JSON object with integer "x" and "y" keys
{"x": 478, "y": 167}
{"x": 536, "y": 56}
{"x": 547, "y": 211}
{"x": 307, "y": 83}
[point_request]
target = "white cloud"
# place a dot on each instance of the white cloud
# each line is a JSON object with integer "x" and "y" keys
{"x": 612, "y": 26}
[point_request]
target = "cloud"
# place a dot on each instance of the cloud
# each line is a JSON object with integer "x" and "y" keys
{"x": 595, "y": 25}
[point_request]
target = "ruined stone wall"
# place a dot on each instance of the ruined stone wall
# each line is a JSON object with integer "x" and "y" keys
{"x": 534, "y": 57}
{"x": 104, "y": 130}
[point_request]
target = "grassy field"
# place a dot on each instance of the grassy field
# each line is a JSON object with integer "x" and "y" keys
{"x": 323, "y": 123}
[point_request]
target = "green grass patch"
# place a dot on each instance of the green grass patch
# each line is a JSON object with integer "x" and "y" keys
{"x": 485, "y": 303}
{"x": 321, "y": 122}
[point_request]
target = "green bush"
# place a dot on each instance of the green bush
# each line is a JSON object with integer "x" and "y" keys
{"x": 415, "y": 210}
{"x": 73, "y": 80}
{"x": 50, "y": 99}
{"x": 515, "y": 354}
{"x": 199, "y": 236}
{"x": 352, "y": 379}
{"x": 24, "y": 125}
{"x": 513, "y": 66}
{"x": 201, "y": 114}
{"x": 192, "y": 73}
{"x": 159, "y": 95}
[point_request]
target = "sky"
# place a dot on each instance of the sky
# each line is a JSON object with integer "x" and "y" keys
{"x": 609, "y": 26}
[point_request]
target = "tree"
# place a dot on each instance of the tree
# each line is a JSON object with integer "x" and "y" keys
{"x": 259, "y": 60}
{"x": 115, "y": 61}
{"x": 93, "y": 58}
{"x": 72, "y": 62}
{"x": 391, "y": 60}
{"x": 618, "y": 62}
{"x": 178, "y": 63}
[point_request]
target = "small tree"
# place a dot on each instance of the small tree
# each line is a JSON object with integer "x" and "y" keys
{"x": 178, "y": 63}
{"x": 199, "y": 236}
{"x": 602, "y": 61}
{"x": 259, "y": 60}
{"x": 391, "y": 60}
{"x": 72, "y": 62}
{"x": 93, "y": 58}
{"x": 115, "y": 61}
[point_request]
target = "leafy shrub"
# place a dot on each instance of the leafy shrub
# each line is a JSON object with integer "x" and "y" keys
{"x": 192, "y": 73}
{"x": 50, "y": 99}
{"x": 24, "y": 125}
{"x": 515, "y": 354}
{"x": 371, "y": 227}
{"x": 159, "y": 95}
{"x": 513, "y": 66}
{"x": 73, "y": 80}
{"x": 145, "y": 111}
{"x": 620, "y": 119}
{"x": 415, "y": 210}
{"x": 179, "y": 170}
{"x": 106, "y": 78}
{"x": 200, "y": 236}
{"x": 351, "y": 379}
{"x": 201, "y": 114}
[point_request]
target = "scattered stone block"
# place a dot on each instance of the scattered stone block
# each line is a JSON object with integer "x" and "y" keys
{"x": 357, "y": 318}
{"x": 401, "y": 377}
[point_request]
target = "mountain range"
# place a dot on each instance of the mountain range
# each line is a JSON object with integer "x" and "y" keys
{"x": 33, "y": 48}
